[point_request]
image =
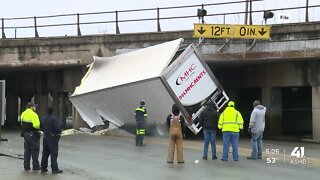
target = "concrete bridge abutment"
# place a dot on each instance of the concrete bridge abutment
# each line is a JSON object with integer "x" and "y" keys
{"x": 271, "y": 98}
{"x": 316, "y": 113}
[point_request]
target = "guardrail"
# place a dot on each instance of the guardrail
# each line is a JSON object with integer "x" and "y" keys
{"x": 179, "y": 16}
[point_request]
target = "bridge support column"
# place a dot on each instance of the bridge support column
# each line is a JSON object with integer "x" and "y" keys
{"x": 59, "y": 106}
{"x": 63, "y": 109}
{"x": 316, "y": 113}
{"x": 78, "y": 122}
{"x": 272, "y": 99}
{"x": 12, "y": 110}
{"x": 42, "y": 101}
{"x": 25, "y": 98}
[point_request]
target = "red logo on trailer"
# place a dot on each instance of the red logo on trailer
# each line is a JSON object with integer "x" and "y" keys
{"x": 185, "y": 76}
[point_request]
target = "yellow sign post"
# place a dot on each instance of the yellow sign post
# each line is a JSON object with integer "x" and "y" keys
{"x": 231, "y": 31}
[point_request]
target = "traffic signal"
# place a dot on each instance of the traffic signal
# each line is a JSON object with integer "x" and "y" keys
{"x": 267, "y": 15}
{"x": 201, "y": 13}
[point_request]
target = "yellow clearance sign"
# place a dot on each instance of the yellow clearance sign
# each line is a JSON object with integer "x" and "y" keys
{"x": 251, "y": 32}
{"x": 213, "y": 30}
{"x": 231, "y": 31}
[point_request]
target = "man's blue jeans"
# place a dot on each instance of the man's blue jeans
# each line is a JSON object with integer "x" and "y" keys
{"x": 256, "y": 141}
{"x": 209, "y": 137}
{"x": 233, "y": 138}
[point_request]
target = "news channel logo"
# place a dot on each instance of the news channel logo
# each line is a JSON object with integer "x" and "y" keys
{"x": 298, "y": 156}
{"x": 277, "y": 155}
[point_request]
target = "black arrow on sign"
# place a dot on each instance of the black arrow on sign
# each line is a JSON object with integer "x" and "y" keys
{"x": 262, "y": 32}
{"x": 201, "y": 31}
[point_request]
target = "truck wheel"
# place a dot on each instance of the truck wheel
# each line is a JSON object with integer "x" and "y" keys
{"x": 161, "y": 129}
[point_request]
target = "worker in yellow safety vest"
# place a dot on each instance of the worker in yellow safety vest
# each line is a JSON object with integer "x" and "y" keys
{"x": 141, "y": 117}
{"x": 230, "y": 122}
{"x": 30, "y": 132}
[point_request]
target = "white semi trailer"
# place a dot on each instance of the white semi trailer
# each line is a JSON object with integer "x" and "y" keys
{"x": 161, "y": 75}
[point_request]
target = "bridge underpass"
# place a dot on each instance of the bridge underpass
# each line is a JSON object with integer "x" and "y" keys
{"x": 47, "y": 87}
{"x": 281, "y": 72}
{"x": 283, "y": 88}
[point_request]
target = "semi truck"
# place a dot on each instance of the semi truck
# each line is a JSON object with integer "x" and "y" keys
{"x": 162, "y": 75}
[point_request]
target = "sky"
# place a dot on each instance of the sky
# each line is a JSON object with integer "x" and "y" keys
{"x": 31, "y": 8}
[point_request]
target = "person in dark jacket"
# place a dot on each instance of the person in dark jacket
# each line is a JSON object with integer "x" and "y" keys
{"x": 175, "y": 123}
{"x": 51, "y": 128}
{"x": 208, "y": 121}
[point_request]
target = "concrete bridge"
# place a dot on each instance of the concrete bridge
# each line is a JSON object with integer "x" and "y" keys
{"x": 283, "y": 72}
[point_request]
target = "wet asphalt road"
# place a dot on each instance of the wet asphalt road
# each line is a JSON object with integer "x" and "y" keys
{"x": 89, "y": 157}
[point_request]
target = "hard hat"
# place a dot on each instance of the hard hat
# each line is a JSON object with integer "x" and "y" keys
{"x": 231, "y": 104}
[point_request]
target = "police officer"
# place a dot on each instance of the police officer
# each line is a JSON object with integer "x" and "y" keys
{"x": 141, "y": 116}
{"x": 51, "y": 128}
{"x": 30, "y": 132}
{"x": 231, "y": 122}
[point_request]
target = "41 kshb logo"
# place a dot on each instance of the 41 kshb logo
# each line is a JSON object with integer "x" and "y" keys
{"x": 298, "y": 153}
